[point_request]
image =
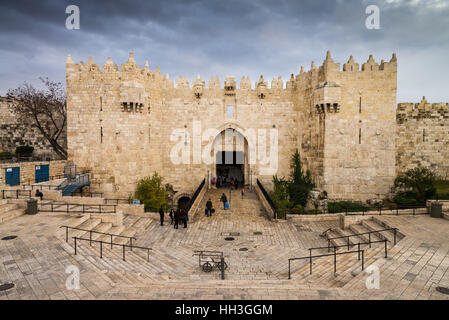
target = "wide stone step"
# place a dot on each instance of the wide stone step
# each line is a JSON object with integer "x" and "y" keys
{"x": 4, "y": 208}
{"x": 11, "y": 215}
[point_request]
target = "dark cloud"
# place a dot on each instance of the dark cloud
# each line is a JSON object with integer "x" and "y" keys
{"x": 233, "y": 37}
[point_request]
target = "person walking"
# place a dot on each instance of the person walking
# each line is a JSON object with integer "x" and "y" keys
{"x": 224, "y": 200}
{"x": 209, "y": 208}
{"x": 161, "y": 214}
{"x": 177, "y": 217}
{"x": 172, "y": 215}
{"x": 243, "y": 192}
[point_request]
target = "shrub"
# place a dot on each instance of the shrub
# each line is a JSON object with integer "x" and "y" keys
{"x": 151, "y": 193}
{"x": 280, "y": 196}
{"x": 297, "y": 209}
{"x": 24, "y": 150}
{"x": 6, "y": 155}
{"x": 344, "y": 206}
{"x": 301, "y": 183}
{"x": 419, "y": 182}
{"x": 406, "y": 199}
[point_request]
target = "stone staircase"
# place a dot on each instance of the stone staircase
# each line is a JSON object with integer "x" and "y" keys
{"x": 10, "y": 210}
{"x": 250, "y": 204}
{"x": 348, "y": 265}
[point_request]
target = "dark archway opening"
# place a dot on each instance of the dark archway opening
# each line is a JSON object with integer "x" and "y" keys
{"x": 230, "y": 165}
{"x": 183, "y": 202}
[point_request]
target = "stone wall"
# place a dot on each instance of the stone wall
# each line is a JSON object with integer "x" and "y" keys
{"x": 14, "y": 134}
{"x": 125, "y": 125}
{"x": 423, "y": 137}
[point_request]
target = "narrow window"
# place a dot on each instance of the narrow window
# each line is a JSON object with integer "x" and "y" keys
{"x": 101, "y": 135}
{"x": 423, "y": 135}
{"x": 101, "y": 103}
{"x": 149, "y": 134}
{"x": 360, "y": 105}
{"x": 360, "y": 135}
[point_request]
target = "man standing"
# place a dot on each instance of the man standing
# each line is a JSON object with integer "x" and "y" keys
{"x": 177, "y": 217}
{"x": 161, "y": 214}
{"x": 209, "y": 208}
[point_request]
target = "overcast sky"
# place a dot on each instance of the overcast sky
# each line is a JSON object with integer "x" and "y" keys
{"x": 228, "y": 37}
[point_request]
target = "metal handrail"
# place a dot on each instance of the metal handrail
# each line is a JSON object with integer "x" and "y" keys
{"x": 267, "y": 197}
{"x": 93, "y": 231}
{"x": 67, "y": 207}
{"x": 114, "y": 244}
{"x": 17, "y": 193}
{"x": 378, "y": 210}
{"x": 395, "y": 230}
{"x": 195, "y": 195}
{"x": 352, "y": 245}
{"x": 335, "y": 254}
{"x": 116, "y": 200}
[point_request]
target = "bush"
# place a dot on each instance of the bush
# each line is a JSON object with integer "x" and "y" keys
{"x": 151, "y": 193}
{"x": 6, "y": 155}
{"x": 344, "y": 206}
{"x": 24, "y": 150}
{"x": 300, "y": 184}
{"x": 406, "y": 199}
{"x": 297, "y": 209}
{"x": 415, "y": 184}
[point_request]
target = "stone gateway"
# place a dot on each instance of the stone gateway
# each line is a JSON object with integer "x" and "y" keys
{"x": 126, "y": 124}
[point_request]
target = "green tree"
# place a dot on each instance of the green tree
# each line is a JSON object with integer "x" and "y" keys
{"x": 152, "y": 193}
{"x": 419, "y": 182}
{"x": 300, "y": 183}
{"x": 280, "y": 196}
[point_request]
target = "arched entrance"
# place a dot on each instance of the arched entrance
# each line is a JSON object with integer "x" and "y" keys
{"x": 183, "y": 201}
{"x": 230, "y": 151}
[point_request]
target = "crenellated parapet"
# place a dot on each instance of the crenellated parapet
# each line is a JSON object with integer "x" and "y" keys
{"x": 422, "y": 110}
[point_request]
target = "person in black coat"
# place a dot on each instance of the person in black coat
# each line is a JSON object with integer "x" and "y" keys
{"x": 172, "y": 215}
{"x": 177, "y": 217}
{"x": 209, "y": 208}
{"x": 161, "y": 214}
{"x": 185, "y": 217}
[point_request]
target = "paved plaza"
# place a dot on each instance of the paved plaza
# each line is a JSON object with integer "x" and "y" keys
{"x": 37, "y": 259}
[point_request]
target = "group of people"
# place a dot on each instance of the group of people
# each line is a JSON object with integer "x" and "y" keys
{"x": 176, "y": 216}
{"x": 222, "y": 181}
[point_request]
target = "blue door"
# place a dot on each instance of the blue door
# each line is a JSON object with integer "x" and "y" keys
{"x": 41, "y": 173}
{"x": 12, "y": 176}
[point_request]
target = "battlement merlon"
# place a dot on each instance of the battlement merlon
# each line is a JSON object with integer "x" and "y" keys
{"x": 410, "y": 109}
{"x": 329, "y": 67}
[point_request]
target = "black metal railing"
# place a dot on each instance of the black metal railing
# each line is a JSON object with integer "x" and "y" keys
{"x": 395, "y": 231}
{"x": 195, "y": 195}
{"x": 101, "y": 242}
{"x": 377, "y": 210}
{"x": 267, "y": 197}
{"x": 360, "y": 254}
{"x": 117, "y": 200}
{"x": 78, "y": 208}
{"x": 349, "y": 245}
{"x": 67, "y": 228}
{"x": 15, "y": 194}
{"x": 87, "y": 194}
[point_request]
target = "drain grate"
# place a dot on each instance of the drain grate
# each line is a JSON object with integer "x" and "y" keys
{"x": 257, "y": 233}
{"x": 443, "y": 290}
{"x": 229, "y": 238}
{"x": 9, "y": 237}
{"x": 243, "y": 249}
{"x": 6, "y": 286}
